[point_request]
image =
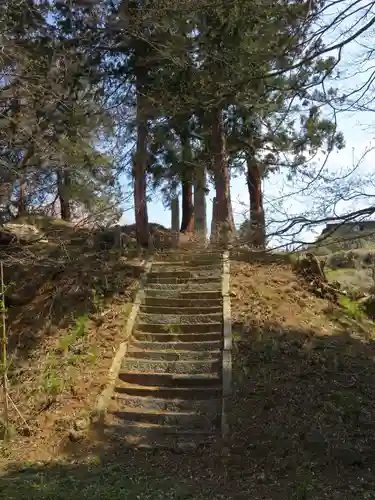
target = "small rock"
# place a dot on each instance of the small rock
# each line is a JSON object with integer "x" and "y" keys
{"x": 233, "y": 294}
{"x": 24, "y": 232}
{"x": 76, "y": 436}
{"x": 81, "y": 424}
{"x": 25, "y": 431}
{"x": 77, "y": 349}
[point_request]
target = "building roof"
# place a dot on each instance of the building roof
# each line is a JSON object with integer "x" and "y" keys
{"x": 367, "y": 224}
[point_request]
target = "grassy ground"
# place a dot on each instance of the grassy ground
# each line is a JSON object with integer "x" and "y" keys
{"x": 302, "y": 415}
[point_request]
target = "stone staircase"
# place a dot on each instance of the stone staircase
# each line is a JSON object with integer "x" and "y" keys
{"x": 169, "y": 390}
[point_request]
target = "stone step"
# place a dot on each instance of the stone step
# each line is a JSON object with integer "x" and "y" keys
{"x": 180, "y": 319}
{"x": 188, "y": 266}
{"x": 210, "y": 407}
{"x": 173, "y": 354}
{"x": 171, "y": 379}
{"x": 161, "y": 366}
{"x": 182, "y": 294}
{"x": 190, "y": 393}
{"x": 184, "y": 274}
{"x": 175, "y": 280}
{"x": 181, "y": 310}
{"x": 190, "y": 257}
{"x": 174, "y": 329}
{"x": 181, "y": 302}
{"x": 190, "y": 287}
{"x": 185, "y": 419}
{"x": 199, "y": 347}
{"x": 178, "y": 337}
{"x": 138, "y": 435}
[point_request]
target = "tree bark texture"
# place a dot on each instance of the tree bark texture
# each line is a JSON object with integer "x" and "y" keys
{"x": 187, "y": 222}
{"x": 63, "y": 190}
{"x": 257, "y": 218}
{"x": 224, "y": 222}
{"x": 140, "y": 160}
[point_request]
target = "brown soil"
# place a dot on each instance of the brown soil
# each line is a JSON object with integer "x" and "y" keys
{"x": 302, "y": 416}
{"x": 304, "y": 392}
{"x": 67, "y": 311}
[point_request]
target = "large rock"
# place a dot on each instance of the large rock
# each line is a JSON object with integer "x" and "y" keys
{"x": 23, "y": 233}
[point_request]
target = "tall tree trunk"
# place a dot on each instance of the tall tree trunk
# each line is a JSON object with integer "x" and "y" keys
{"x": 200, "y": 208}
{"x": 175, "y": 214}
{"x": 140, "y": 163}
{"x": 231, "y": 216}
{"x": 22, "y": 201}
{"x": 187, "y": 222}
{"x": 63, "y": 189}
{"x": 224, "y": 217}
{"x": 257, "y": 219}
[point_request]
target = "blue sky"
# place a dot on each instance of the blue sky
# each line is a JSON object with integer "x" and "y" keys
{"x": 359, "y": 133}
{"x": 358, "y": 137}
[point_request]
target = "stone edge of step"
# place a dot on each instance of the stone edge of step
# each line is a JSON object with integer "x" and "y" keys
{"x": 104, "y": 397}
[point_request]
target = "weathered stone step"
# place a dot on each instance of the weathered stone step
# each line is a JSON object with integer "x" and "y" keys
{"x": 182, "y": 294}
{"x": 184, "y": 274}
{"x": 175, "y": 280}
{"x": 188, "y": 287}
{"x": 138, "y": 435}
{"x": 181, "y": 319}
{"x": 189, "y": 257}
{"x": 160, "y": 366}
{"x": 200, "y": 347}
{"x": 181, "y": 310}
{"x": 177, "y": 337}
{"x": 188, "y": 266}
{"x": 176, "y": 327}
{"x": 173, "y": 354}
{"x": 198, "y": 392}
{"x": 171, "y": 379}
{"x": 185, "y": 419}
{"x": 210, "y": 407}
{"x": 181, "y": 302}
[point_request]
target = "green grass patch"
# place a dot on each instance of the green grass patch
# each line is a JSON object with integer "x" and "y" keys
{"x": 335, "y": 274}
{"x": 352, "y": 308}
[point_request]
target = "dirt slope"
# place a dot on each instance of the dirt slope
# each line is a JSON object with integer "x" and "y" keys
{"x": 304, "y": 391}
{"x": 302, "y": 417}
{"x": 67, "y": 306}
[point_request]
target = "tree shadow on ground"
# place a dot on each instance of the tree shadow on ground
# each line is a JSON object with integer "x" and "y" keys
{"x": 302, "y": 423}
{"x": 121, "y": 475}
{"x": 303, "y": 413}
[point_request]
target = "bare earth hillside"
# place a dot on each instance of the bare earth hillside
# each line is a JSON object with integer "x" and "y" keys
{"x": 302, "y": 416}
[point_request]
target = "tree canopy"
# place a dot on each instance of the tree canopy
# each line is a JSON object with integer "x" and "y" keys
{"x": 93, "y": 93}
